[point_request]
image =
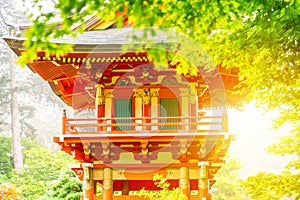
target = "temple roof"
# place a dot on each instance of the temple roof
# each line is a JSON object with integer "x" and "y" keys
{"x": 110, "y": 40}
{"x": 103, "y": 50}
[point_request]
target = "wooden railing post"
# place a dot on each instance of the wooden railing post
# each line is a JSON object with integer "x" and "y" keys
{"x": 100, "y": 112}
{"x": 154, "y": 93}
{"x": 225, "y": 121}
{"x": 64, "y": 122}
{"x": 108, "y": 93}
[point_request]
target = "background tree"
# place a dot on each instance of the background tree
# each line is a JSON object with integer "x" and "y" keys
{"x": 6, "y": 162}
{"x": 41, "y": 166}
{"x": 269, "y": 186}
{"x": 15, "y": 122}
{"x": 67, "y": 187}
{"x": 21, "y": 101}
{"x": 228, "y": 186}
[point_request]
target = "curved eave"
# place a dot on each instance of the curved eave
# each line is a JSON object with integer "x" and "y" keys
{"x": 110, "y": 40}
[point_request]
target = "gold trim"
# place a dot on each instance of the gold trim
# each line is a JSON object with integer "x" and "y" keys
{"x": 97, "y": 174}
{"x": 99, "y": 94}
{"x": 119, "y": 174}
{"x": 172, "y": 173}
{"x": 154, "y": 92}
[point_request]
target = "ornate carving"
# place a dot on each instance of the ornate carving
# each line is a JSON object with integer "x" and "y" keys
{"x": 86, "y": 150}
{"x": 108, "y": 93}
{"x": 106, "y": 151}
{"x": 138, "y": 93}
{"x": 154, "y": 92}
{"x": 123, "y": 82}
{"x": 88, "y": 64}
{"x": 97, "y": 174}
{"x": 183, "y": 146}
{"x": 169, "y": 81}
{"x": 78, "y": 173}
{"x": 146, "y": 96}
{"x": 100, "y": 94}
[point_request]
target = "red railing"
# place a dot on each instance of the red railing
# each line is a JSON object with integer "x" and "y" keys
{"x": 201, "y": 123}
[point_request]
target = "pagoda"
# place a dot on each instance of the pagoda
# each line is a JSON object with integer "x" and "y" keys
{"x": 146, "y": 119}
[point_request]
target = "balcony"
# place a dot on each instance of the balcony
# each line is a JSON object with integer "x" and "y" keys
{"x": 209, "y": 121}
{"x": 184, "y": 138}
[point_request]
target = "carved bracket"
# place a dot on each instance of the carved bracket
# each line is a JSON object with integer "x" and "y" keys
{"x": 106, "y": 152}
{"x": 86, "y": 151}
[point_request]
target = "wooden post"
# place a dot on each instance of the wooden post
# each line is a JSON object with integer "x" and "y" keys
{"x": 184, "y": 181}
{"x": 63, "y": 122}
{"x": 100, "y": 113}
{"x": 146, "y": 107}
{"x": 203, "y": 180}
{"x": 154, "y": 92}
{"x": 88, "y": 182}
{"x": 107, "y": 184}
{"x": 108, "y": 93}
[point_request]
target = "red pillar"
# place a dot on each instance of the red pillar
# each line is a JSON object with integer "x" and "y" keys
{"x": 100, "y": 112}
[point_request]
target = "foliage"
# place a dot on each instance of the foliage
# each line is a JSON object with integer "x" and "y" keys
{"x": 267, "y": 186}
{"x": 228, "y": 185}
{"x": 9, "y": 191}
{"x": 260, "y": 37}
{"x": 164, "y": 193}
{"x": 67, "y": 187}
{"x": 289, "y": 144}
{"x": 40, "y": 166}
{"x": 6, "y": 163}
